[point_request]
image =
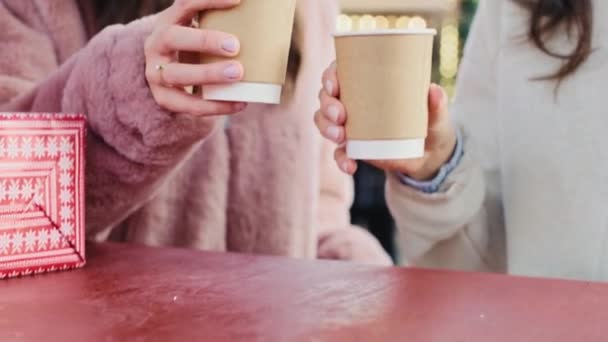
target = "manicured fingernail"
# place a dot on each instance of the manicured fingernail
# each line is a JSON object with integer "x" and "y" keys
{"x": 346, "y": 166}
{"x": 333, "y": 113}
{"x": 232, "y": 71}
{"x": 230, "y": 45}
{"x": 333, "y": 132}
{"x": 329, "y": 87}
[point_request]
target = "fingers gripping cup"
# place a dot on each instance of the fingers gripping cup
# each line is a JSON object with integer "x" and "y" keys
{"x": 264, "y": 28}
{"x": 384, "y": 83}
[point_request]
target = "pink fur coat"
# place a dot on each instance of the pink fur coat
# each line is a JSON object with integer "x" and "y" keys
{"x": 266, "y": 183}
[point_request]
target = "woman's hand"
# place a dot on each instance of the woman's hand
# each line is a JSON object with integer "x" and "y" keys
{"x": 167, "y": 77}
{"x": 440, "y": 143}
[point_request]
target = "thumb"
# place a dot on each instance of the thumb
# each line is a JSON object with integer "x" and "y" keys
{"x": 438, "y": 107}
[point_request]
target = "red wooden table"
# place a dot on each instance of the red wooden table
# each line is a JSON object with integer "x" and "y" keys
{"x": 131, "y": 293}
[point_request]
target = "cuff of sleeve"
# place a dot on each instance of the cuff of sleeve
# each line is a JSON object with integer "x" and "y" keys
{"x": 435, "y": 184}
{"x": 437, "y": 216}
{"x": 119, "y": 105}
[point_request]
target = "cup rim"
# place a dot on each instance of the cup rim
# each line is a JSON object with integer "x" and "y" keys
{"x": 387, "y": 32}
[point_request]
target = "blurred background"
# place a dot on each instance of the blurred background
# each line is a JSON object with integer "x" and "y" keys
{"x": 452, "y": 19}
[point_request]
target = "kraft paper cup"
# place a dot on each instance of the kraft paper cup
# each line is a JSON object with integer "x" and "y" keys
{"x": 385, "y": 77}
{"x": 264, "y": 28}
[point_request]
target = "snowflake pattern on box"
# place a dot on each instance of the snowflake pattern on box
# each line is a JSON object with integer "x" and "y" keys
{"x": 41, "y": 193}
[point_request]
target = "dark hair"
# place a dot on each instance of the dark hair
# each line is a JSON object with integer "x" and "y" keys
{"x": 109, "y": 12}
{"x": 550, "y": 16}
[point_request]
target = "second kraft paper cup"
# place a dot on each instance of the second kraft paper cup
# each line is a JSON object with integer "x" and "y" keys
{"x": 385, "y": 78}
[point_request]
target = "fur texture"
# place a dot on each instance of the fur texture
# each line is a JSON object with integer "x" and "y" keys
{"x": 267, "y": 184}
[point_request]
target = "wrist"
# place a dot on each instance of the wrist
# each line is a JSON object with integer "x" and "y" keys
{"x": 436, "y": 158}
{"x": 434, "y": 184}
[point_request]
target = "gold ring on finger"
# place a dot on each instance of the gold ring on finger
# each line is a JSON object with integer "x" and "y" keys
{"x": 161, "y": 69}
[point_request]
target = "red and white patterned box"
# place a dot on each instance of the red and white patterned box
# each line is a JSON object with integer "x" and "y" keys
{"x": 41, "y": 193}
